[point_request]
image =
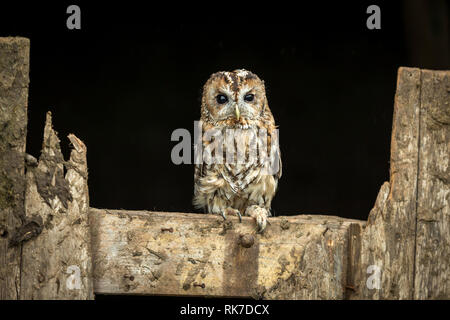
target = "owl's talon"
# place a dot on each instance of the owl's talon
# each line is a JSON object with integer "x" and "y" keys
{"x": 260, "y": 215}
{"x": 261, "y": 223}
{"x": 230, "y": 211}
{"x": 223, "y": 215}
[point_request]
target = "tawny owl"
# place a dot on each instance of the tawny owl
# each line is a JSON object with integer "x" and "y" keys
{"x": 235, "y": 102}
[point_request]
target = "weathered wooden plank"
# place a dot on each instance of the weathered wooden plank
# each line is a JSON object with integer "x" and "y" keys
{"x": 432, "y": 259}
{"x": 14, "y": 79}
{"x": 57, "y": 264}
{"x": 166, "y": 253}
{"x": 387, "y": 244}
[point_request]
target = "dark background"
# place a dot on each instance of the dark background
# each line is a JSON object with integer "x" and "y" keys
{"x": 134, "y": 73}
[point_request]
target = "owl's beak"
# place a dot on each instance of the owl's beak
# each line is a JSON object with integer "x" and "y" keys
{"x": 238, "y": 114}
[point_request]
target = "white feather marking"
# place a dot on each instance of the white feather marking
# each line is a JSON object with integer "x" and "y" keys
{"x": 242, "y": 73}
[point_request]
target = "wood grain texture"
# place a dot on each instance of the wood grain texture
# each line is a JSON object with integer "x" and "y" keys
{"x": 407, "y": 235}
{"x": 432, "y": 267}
{"x": 388, "y": 241}
{"x": 14, "y": 79}
{"x": 57, "y": 264}
{"x": 166, "y": 253}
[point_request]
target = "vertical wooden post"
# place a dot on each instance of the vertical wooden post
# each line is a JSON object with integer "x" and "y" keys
{"x": 14, "y": 66}
{"x": 384, "y": 260}
{"x": 57, "y": 264}
{"x": 407, "y": 236}
{"x": 45, "y": 247}
{"x": 432, "y": 256}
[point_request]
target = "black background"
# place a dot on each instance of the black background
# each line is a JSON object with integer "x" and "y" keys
{"x": 134, "y": 73}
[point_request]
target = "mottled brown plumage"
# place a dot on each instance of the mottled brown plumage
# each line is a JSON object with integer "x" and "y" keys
{"x": 236, "y": 101}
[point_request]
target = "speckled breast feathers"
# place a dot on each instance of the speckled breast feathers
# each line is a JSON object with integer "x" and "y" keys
{"x": 235, "y": 108}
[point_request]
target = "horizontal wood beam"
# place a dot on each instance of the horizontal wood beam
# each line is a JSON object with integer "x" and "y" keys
{"x": 168, "y": 253}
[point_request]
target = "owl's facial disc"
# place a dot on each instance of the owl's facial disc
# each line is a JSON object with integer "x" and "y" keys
{"x": 234, "y": 95}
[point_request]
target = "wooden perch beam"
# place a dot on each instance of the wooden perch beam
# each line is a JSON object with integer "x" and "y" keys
{"x": 168, "y": 253}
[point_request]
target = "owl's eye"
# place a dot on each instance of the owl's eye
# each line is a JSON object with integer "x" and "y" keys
{"x": 221, "y": 98}
{"x": 249, "y": 97}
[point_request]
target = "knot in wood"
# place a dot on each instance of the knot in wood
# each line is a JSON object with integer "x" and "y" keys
{"x": 3, "y": 231}
{"x": 246, "y": 240}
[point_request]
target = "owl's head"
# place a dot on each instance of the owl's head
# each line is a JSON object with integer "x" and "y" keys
{"x": 233, "y": 96}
